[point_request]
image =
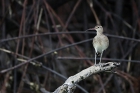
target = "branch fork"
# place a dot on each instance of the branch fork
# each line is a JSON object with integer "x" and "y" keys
{"x": 70, "y": 84}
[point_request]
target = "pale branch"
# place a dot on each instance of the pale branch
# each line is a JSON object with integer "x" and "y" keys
{"x": 70, "y": 84}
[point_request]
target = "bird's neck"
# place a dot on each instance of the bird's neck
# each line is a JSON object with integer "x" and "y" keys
{"x": 98, "y": 34}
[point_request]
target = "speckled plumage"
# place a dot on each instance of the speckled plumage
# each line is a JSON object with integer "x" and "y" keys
{"x": 100, "y": 41}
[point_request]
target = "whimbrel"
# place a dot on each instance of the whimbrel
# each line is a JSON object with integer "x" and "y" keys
{"x": 100, "y": 41}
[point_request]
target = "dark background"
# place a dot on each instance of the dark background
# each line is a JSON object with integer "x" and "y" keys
{"x": 121, "y": 22}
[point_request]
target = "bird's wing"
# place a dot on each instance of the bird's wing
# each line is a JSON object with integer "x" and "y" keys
{"x": 105, "y": 38}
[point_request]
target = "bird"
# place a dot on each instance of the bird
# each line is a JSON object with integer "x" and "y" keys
{"x": 100, "y": 41}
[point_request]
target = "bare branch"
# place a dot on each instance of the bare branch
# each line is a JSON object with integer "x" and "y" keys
{"x": 70, "y": 83}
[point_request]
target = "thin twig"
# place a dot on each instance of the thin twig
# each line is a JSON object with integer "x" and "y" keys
{"x": 14, "y": 67}
{"x": 73, "y": 32}
{"x": 106, "y": 59}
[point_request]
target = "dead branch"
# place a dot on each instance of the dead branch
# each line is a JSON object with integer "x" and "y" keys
{"x": 70, "y": 84}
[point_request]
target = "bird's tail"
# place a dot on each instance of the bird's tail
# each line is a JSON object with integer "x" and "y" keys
{"x": 98, "y": 54}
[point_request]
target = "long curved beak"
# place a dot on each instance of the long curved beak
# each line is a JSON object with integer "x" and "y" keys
{"x": 90, "y": 29}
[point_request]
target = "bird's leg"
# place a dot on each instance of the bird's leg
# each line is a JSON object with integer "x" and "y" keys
{"x": 95, "y": 59}
{"x": 101, "y": 57}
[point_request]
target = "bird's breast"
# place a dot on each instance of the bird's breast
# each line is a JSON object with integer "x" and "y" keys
{"x": 100, "y": 43}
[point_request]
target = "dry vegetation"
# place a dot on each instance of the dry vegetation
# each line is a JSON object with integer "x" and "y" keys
{"x": 42, "y": 42}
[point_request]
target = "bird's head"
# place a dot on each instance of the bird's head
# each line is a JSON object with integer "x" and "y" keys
{"x": 98, "y": 28}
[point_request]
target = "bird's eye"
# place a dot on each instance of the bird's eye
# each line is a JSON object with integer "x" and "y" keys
{"x": 98, "y": 26}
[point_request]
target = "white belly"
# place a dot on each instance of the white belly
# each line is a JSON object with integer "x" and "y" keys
{"x": 100, "y": 44}
{"x": 100, "y": 47}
